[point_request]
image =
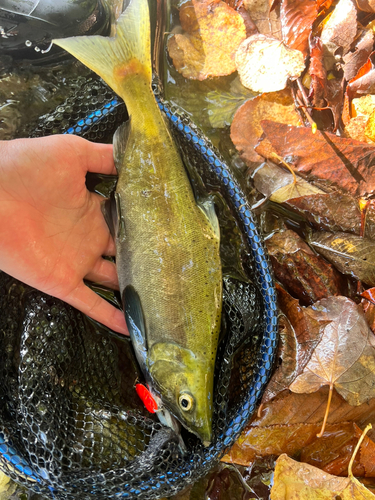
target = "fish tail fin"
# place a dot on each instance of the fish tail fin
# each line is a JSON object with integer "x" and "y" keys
{"x": 115, "y": 59}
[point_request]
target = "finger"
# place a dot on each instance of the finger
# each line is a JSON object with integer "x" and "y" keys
{"x": 99, "y": 158}
{"x": 110, "y": 251}
{"x": 110, "y": 248}
{"x": 88, "y": 302}
{"x": 104, "y": 272}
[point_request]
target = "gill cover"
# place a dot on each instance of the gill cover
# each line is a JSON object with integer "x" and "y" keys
{"x": 181, "y": 377}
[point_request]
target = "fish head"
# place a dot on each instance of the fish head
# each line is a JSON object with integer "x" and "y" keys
{"x": 185, "y": 384}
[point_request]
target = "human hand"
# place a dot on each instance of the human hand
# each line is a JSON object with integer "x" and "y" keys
{"x": 52, "y": 231}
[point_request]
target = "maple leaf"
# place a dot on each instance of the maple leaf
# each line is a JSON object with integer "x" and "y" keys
{"x": 265, "y": 64}
{"x": 344, "y": 357}
{"x": 246, "y": 129}
{"x": 340, "y": 162}
{"x": 349, "y": 253}
{"x": 303, "y": 273}
{"x": 213, "y": 33}
{"x": 294, "y": 480}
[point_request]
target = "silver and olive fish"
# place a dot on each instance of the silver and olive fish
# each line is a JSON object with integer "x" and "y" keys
{"x": 167, "y": 245}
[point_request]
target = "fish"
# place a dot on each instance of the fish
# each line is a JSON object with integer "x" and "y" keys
{"x": 167, "y": 243}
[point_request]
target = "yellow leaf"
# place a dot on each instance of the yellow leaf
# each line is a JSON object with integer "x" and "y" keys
{"x": 213, "y": 32}
{"x": 300, "y": 481}
{"x": 265, "y": 64}
{"x": 370, "y": 127}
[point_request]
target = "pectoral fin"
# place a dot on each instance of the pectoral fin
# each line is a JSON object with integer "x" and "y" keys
{"x": 111, "y": 209}
{"x": 120, "y": 140}
{"x": 208, "y": 208}
{"x": 136, "y": 324}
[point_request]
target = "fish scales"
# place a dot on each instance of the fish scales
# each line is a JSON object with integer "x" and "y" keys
{"x": 168, "y": 244}
{"x": 167, "y": 247}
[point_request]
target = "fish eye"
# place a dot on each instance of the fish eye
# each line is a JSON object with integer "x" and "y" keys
{"x": 186, "y": 401}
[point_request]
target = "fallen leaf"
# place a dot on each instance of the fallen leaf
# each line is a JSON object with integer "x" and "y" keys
{"x": 299, "y": 334}
{"x": 297, "y": 17}
{"x": 279, "y": 185}
{"x": 355, "y": 129}
{"x": 350, "y": 254}
{"x": 221, "y": 106}
{"x": 318, "y": 73}
{"x": 369, "y": 223}
{"x": 338, "y": 161}
{"x": 333, "y": 451}
{"x": 364, "y": 82}
{"x": 273, "y": 440}
{"x": 329, "y": 211}
{"x": 246, "y": 129}
{"x": 341, "y": 27}
{"x": 303, "y": 273}
{"x": 369, "y": 310}
{"x": 325, "y": 93}
{"x": 213, "y": 33}
{"x": 268, "y": 23}
{"x": 363, "y": 106}
{"x": 353, "y": 61}
{"x": 265, "y": 64}
{"x": 366, "y": 5}
{"x": 300, "y": 481}
{"x": 344, "y": 358}
{"x": 288, "y": 415}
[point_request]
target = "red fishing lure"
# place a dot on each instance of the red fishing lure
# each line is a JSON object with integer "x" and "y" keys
{"x": 146, "y": 397}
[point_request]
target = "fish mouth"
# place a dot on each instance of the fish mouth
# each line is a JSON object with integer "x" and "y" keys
{"x": 204, "y": 434}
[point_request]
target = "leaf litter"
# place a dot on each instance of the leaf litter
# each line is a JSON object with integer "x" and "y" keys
{"x": 308, "y": 143}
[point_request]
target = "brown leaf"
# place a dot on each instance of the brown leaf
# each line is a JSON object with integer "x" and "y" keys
{"x": 246, "y": 129}
{"x": 288, "y": 408}
{"x": 279, "y": 185}
{"x": 318, "y": 73}
{"x": 265, "y": 64}
{"x": 369, "y": 310}
{"x": 366, "y": 5}
{"x": 329, "y": 211}
{"x": 299, "y": 334}
{"x": 333, "y": 451}
{"x": 268, "y": 23}
{"x": 349, "y": 253}
{"x": 213, "y": 33}
{"x": 275, "y": 440}
{"x": 288, "y": 416}
{"x": 341, "y": 162}
{"x": 344, "y": 358}
{"x": 364, "y": 84}
{"x": 297, "y": 17}
{"x": 353, "y": 61}
{"x": 300, "y": 481}
{"x": 304, "y": 274}
{"x": 341, "y": 27}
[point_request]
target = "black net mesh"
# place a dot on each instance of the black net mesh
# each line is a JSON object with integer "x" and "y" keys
{"x": 71, "y": 424}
